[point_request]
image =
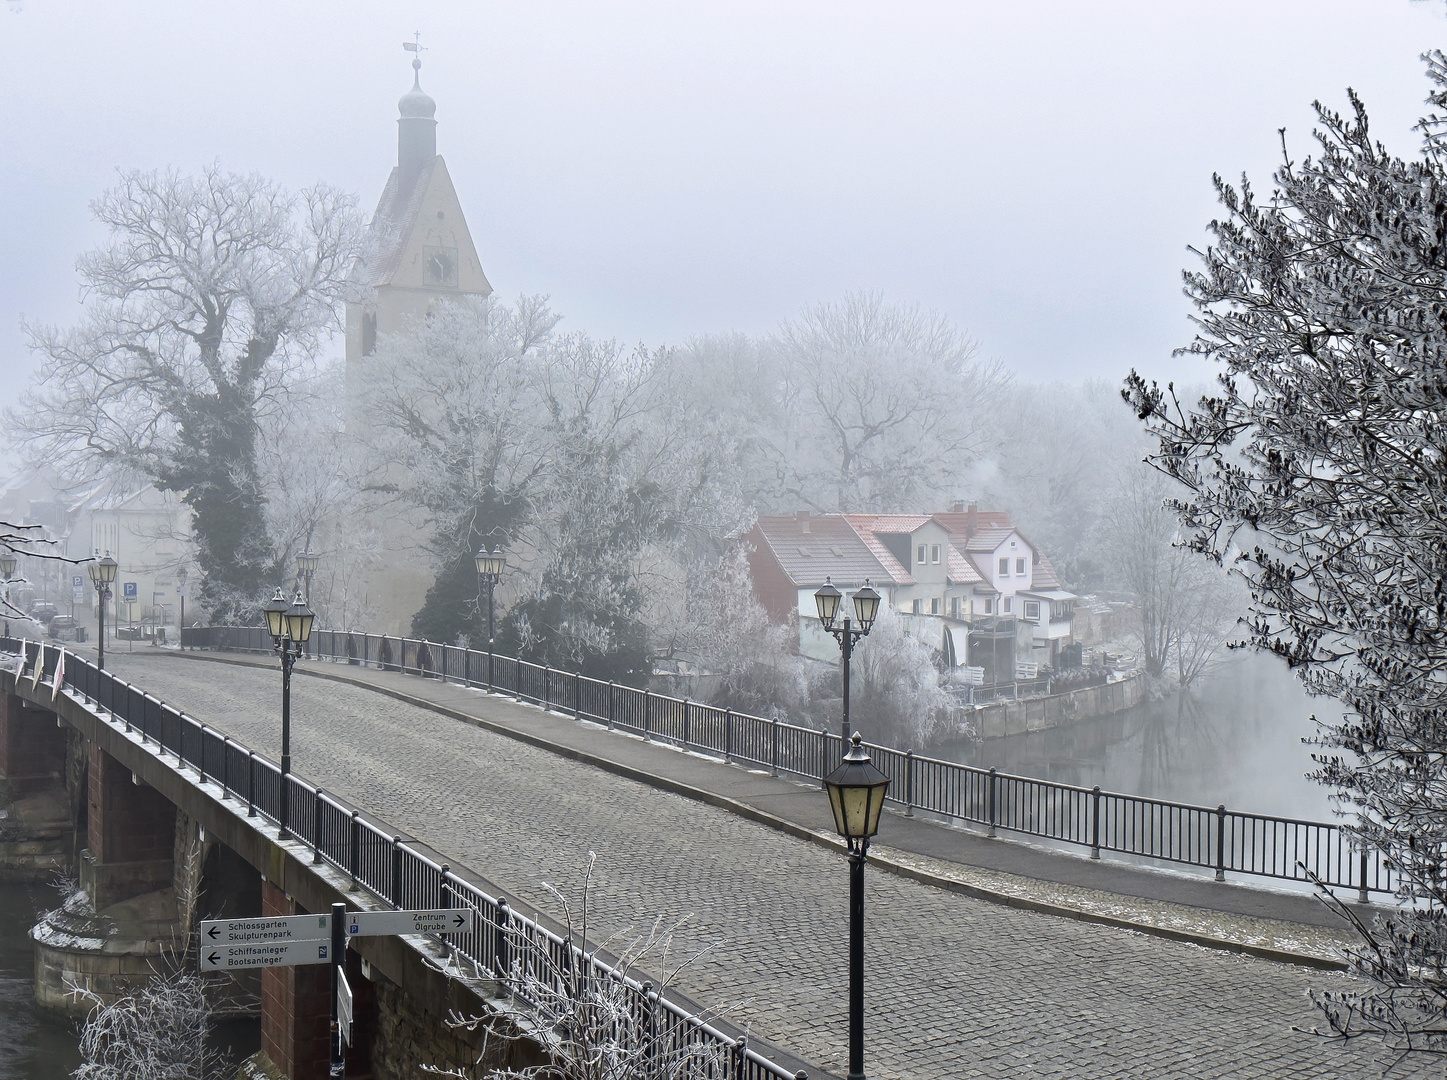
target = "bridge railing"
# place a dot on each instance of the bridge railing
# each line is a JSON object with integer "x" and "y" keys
{"x": 1213, "y": 838}
{"x": 376, "y": 857}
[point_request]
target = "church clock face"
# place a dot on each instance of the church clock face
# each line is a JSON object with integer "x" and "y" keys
{"x": 439, "y": 266}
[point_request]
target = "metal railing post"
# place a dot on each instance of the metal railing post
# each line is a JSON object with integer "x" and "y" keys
{"x": 499, "y": 940}
{"x": 251, "y": 783}
{"x": 356, "y": 847}
{"x": 823, "y": 756}
{"x": 687, "y": 712}
{"x": 646, "y": 719}
{"x": 1221, "y": 842}
{"x": 909, "y": 782}
{"x": 1362, "y": 897}
{"x": 225, "y": 763}
{"x": 518, "y": 682}
{"x": 317, "y": 827}
{"x": 547, "y": 702}
{"x": 467, "y": 666}
{"x": 774, "y": 746}
{"x": 394, "y": 897}
{"x": 728, "y": 746}
{"x": 612, "y": 706}
{"x": 1095, "y": 822}
{"x": 200, "y": 757}
{"x": 577, "y": 695}
{"x": 991, "y": 799}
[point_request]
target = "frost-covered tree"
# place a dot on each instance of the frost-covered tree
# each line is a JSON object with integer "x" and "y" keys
{"x": 210, "y": 293}
{"x": 626, "y": 487}
{"x": 732, "y": 641}
{"x": 895, "y": 686}
{"x": 856, "y": 406}
{"x": 458, "y": 433}
{"x": 1316, "y": 471}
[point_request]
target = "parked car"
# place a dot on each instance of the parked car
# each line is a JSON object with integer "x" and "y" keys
{"x": 42, "y": 611}
{"x": 65, "y": 628}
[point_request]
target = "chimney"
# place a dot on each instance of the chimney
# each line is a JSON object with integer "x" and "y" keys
{"x": 802, "y": 517}
{"x": 972, "y": 520}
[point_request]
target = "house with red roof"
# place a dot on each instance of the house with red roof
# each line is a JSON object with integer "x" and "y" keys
{"x": 967, "y": 582}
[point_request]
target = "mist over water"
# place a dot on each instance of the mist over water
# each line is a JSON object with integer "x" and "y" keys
{"x": 1236, "y": 739}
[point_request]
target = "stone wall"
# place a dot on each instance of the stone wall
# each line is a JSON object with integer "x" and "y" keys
{"x": 1058, "y": 710}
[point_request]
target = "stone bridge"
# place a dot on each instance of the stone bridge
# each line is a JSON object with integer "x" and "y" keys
{"x": 1066, "y": 969}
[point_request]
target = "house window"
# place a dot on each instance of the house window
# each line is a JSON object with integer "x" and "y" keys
{"x": 934, "y": 554}
{"x": 920, "y": 555}
{"x": 1020, "y": 567}
{"x": 934, "y": 605}
{"x": 916, "y": 607}
{"x": 990, "y": 607}
{"x": 369, "y": 333}
{"x": 1032, "y": 610}
{"x": 1005, "y": 567}
{"x": 1009, "y": 604}
{"x": 954, "y": 607}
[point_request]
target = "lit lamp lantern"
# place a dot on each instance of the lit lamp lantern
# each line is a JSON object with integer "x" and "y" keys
{"x": 856, "y": 795}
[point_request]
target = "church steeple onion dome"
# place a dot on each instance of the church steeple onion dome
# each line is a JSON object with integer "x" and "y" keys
{"x": 416, "y": 128}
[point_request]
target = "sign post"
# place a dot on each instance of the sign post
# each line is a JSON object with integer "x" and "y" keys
{"x": 339, "y": 980}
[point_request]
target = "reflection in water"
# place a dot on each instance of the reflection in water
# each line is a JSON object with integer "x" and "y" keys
{"x": 1235, "y": 739}
{"x": 33, "y": 1045}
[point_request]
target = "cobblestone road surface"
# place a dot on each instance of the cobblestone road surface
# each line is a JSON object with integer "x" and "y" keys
{"x": 955, "y": 987}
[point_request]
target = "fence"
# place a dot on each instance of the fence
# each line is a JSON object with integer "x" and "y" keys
{"x": 1224, "y": 841}
{"x": 380, "y": 861}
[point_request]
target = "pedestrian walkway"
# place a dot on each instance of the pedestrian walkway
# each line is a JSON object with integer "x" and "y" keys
{"x": 956, "y": 987}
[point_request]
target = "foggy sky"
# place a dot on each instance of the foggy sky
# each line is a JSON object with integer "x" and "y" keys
{"x": 1034, "y": 169}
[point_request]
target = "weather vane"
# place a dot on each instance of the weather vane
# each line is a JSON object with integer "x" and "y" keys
{"x": 415, "y": 46}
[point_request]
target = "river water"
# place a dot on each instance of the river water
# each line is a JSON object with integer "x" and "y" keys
{"x": 1234, "y": 740}
{"x": 33, "y": 1045}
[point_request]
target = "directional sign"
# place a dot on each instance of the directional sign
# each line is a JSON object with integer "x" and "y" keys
{"x": 344, "y": 1008}
{"x": 432, "y": 921}
{"x": 266, "y": 931}
{"x": 277, "y": 954}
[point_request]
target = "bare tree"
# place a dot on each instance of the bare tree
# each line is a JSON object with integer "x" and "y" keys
{"x": 210, "y": 293}
{"x": 897, "y": 685}
{"x": 882, "y": 406}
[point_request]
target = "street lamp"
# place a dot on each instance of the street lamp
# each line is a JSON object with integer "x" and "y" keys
{"x": 102, "y": 574}
{"x": 866, "y": 609}
{"x": 7, "y": 571}
{"x": 489, "y": 573}
{"x": 289, "y": 625}
{"x": 856, "y": 795}
{"x": 306, "y": 564}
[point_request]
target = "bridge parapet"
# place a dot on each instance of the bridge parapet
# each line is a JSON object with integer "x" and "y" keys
{"x": 336, "y": 852}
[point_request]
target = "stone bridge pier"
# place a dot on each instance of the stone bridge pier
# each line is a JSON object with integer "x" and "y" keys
{"x": 152, "y": 849}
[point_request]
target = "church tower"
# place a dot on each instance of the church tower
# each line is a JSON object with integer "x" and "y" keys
{"x": 418, "y": 247}
{"x": 417, "y": 250}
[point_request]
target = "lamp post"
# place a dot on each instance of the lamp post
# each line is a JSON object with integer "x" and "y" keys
{"x": 866, "y": 608}
{"x": 102, "y": 574}
{"x": 856, "y": 795}
{"x": 306, "y": 564}
{"x": 289, "y": 626}
{"x": 7, "y": 571}
{"x": 489, "y": 573}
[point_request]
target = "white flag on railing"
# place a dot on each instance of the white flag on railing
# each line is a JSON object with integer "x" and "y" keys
{"x": 39, "y": 667}
{"x": 20, "y": 665}
{"x": 59, "y": 676}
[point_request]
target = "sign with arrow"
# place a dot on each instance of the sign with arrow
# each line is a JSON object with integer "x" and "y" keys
{"x": 427, "y": 921}
{"x": 275, "y": 954}
{"x": 280, "y": 929}
{"x": 344, "y": 1008}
